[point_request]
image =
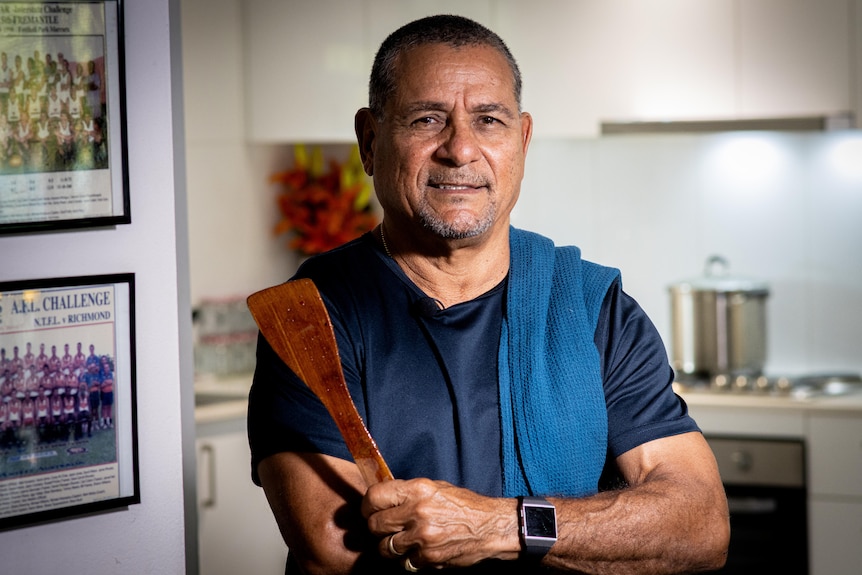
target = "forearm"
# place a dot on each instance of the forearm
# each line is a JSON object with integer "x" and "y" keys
{"x": 656, "y": 527}
{"x": 672, "y": 519}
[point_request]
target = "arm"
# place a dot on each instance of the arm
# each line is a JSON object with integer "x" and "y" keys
{"x": 315, "y": 500}
{"x": 673, "y": 518}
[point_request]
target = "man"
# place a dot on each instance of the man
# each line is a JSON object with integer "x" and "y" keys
{"x": 92, "y": 379}
{"x": 80, "y": 360}
{"x": 29, "y": 357}
{"x": 67, "y": 362}
{"x": 487, "y": 364}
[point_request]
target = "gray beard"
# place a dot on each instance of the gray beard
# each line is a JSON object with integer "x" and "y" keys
{"x": 459, "y": 230}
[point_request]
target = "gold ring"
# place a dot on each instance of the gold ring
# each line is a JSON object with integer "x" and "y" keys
{"x": 408, "y": 566}
{"x": 391, "y": 546}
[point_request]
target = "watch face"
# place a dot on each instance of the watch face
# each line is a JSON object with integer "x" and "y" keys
{"x": 540, "y": 522}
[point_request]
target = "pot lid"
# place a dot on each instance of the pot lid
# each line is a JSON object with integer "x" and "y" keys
{"x": 716, "y": 278}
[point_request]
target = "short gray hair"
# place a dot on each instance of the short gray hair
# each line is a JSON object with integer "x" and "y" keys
{"x": 454, "y": 31}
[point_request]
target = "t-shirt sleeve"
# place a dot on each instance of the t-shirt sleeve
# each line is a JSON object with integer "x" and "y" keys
{"x": 285, "y": 415}
{"x": 642, "y": 405}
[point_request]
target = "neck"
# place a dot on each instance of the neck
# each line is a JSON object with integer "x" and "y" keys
{"x": 454, "y": 271}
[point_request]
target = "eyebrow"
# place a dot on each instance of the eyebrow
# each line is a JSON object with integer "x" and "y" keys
{"x": 425, "y": 106}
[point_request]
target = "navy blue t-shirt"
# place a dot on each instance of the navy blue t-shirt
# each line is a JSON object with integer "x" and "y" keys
{"x": 425, "y": 380}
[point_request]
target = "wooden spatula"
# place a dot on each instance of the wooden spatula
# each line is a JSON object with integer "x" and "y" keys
{"x": 292, "y": 318}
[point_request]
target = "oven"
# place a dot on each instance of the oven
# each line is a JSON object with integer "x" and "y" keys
{"x": 765, "y": 484}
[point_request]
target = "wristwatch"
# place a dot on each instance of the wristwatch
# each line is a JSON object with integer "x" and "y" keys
{"x": 537, "y": 525}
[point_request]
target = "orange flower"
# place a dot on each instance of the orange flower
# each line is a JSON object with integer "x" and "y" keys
{"x": 322, "y": 211}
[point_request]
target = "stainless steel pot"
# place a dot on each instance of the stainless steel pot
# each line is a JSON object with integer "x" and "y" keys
{"x": 718, "y": 323}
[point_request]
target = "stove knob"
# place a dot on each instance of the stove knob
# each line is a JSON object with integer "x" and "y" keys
{"x": 783, "y": 384}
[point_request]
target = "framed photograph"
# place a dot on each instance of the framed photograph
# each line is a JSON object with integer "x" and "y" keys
{"x": 68, "y": 432}
{"x": 63, "y": 154}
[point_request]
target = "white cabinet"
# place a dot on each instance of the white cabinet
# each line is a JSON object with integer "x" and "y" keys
{"x": 237, "y": 533}
{"x": 584, "y": 62}
{"x": 307, "y": 63}
{"x": 835, "y": 528}
{"x": 306, "y": 69}
{"x": 835, "y": 455}
{"x": 835, "y": 492}
{"x": 795, "y": 57}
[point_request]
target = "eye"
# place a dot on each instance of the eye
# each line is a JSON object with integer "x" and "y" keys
{"x": 424, "y": 121}
{"x": 490, "y": 121}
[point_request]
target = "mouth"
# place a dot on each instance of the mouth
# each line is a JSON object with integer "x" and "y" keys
{"x": 453, "y": 187}
{"x": 457, "y": 186}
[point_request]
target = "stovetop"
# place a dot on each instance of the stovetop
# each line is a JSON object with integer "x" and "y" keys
{"x": 792, "y": 387}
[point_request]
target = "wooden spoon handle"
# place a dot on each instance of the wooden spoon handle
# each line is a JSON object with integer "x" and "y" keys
{"x": 293, "y": 319}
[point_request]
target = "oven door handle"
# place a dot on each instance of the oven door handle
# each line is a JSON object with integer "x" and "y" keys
{"x": 752, "y": 505}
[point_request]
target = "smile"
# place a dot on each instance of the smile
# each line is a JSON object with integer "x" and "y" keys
{"x": 453, "y": 187}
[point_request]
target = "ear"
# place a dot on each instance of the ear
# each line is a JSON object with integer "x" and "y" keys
{"x": 366, "y": 129}
{"x": 526, "y": 130}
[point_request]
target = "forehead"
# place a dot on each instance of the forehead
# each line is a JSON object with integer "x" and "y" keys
{"x": 438, "y": 69}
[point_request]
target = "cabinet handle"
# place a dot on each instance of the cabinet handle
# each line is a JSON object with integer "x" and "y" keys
{"x": 209, "y": 452}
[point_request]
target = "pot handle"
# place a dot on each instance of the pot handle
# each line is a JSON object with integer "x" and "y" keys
{"x": 716, "y": 263}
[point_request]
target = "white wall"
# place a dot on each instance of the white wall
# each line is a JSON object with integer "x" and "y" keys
{"x": 783, "y": 208}
{"x": 149, "y": 537}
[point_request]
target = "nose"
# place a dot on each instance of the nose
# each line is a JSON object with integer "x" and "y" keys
{"x": 460, "y": 145}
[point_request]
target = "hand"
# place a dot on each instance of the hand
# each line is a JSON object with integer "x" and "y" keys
{"x": 436, "y": 524}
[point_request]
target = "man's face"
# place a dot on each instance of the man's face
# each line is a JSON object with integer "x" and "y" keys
{"x": 450, "y": 149}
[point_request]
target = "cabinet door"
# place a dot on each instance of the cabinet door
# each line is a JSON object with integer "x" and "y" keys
{"x": 306, "y": 69}
{"x": 835, "y": 455}
{"x": 584, "y": 62}
{"x": 836, "y": 536}
{"x": 236, "y": 530}
{"x": 794, "y": 57}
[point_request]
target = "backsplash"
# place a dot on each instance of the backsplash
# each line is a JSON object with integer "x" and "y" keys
{"x": 780, "y": 207}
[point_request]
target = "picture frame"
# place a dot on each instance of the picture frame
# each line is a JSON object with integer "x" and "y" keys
{"x": 67, "y": 168}
{"x": 68, "y": 420}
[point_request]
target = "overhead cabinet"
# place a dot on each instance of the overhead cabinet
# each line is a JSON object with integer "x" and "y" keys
{"x": 306, "y": 69}
{"x": 307, "y": 63}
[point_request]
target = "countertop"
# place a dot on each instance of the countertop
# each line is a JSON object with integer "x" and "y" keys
{"x": 224, "y": 398}
{"x": 847, "y": 402}
{"x": 221, "y": 398}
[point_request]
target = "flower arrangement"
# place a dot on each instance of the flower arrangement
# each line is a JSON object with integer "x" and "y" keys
{"x": 323, "y": 209}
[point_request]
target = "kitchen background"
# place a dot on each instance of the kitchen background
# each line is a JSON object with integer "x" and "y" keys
{"x": 257, "y": 76}
{"x": 260, "y": 75}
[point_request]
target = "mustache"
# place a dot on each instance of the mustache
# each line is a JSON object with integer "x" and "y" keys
{"x": 458, "y": 179}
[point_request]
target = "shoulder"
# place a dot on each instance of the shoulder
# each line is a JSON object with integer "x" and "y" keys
{"x": 344, "y": 269}
{"x": 354, "y": 279}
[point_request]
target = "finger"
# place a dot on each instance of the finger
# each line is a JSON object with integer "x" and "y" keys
{"x": 383, "y": 495}
{"x": 390, "y": 549}
{"x": 409, "y": 567}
